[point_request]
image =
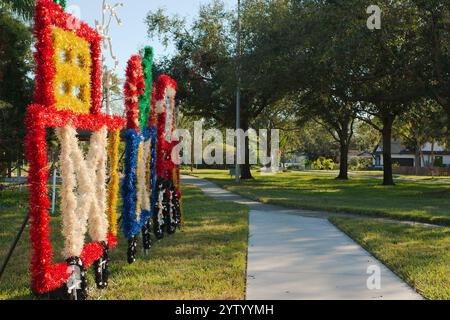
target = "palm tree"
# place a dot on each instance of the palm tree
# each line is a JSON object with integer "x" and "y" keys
{"x": 23, "y": 8}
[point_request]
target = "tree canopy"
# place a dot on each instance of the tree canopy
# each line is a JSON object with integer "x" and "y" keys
{"x": 319, "y": 54}
{"x": 23, "y": 8}
{"x": 15, "y": 85}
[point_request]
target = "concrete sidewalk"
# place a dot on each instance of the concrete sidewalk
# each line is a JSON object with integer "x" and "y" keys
{"x": 302, "y": 258}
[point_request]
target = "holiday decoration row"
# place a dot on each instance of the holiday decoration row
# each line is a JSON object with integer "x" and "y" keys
{"x": 67, "y": 98}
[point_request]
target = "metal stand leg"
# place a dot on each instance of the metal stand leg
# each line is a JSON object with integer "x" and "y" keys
{"x": 14, "y": 245}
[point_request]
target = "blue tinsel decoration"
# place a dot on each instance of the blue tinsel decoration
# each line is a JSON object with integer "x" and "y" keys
{"x": 129, "y": 186}
{"x": 130, "y": 225}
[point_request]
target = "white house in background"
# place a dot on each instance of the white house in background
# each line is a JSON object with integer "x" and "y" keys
{"x": 406, "y": 157}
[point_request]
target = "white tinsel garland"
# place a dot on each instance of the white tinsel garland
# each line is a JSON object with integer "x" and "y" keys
{"x": 145, "y": 203}
{"x": 87, "y": 200}
{"x": 143, "y": 195}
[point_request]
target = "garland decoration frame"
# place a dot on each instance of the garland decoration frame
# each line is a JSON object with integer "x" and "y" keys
{"x": 65, "y": 43}
{"x": 137, "y": 186}
{"x": 167, "y": 211}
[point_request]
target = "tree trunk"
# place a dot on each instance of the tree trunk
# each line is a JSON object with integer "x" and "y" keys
{"x": 422, "y": 158}
{"x": 432, "y": 159}
{"x": 269, "y": 149}
{"x": 388, "y": 179}
{"x": 19, "y": 165}
{"x": 246, "y": 173}
{"x": 9, "y": 169}
{"x": 345, "y": 134}
{"x": 417, "y": 159}
{"x": 192, "y": 162}
{"x": 343, "y": 166}
{"x": 19, "y": 170}
{"x": 417, "y": 151}
{"x": 448, "y": 125}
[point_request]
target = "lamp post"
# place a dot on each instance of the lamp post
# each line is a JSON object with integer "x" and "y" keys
{"x": 238, "y": 91}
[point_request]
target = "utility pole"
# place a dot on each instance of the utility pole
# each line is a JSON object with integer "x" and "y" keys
{"x": 238, "y": 92}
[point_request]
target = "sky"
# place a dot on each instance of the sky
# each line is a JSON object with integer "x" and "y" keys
{"x": 132, "y": 34}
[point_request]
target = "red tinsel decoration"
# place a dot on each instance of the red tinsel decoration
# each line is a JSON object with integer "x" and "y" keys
{"x": 46, "y": 276}
{"x": 165, "y": 165}
{"x": 134, "y": 87}
{"x": 49, "y": 14}
{"x": 161, "y": 149}
{"x": 163, "y": 82}
{"x": 44, "y": 117}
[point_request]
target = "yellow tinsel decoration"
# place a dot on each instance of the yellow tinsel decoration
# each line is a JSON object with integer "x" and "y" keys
{"x": 72, "y": 83}
{"x": 113, "y": 186}
{"x": 148, "y": 171}
{"x": 139, "y": 191}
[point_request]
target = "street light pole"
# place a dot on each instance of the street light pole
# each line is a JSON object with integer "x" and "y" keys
{"x": 238, "y": 92}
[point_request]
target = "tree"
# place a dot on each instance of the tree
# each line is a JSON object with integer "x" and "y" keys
{"x": 336, "y": 58}
{"x": 206, "y": 61}
{"x": 23, "y": 8}
{"x": 280, "y": 116}
{"x": 15, "y": 86}
{"x": 321, "y": 47}
{"x": 365, "y": 137}
{"x": 377, "y": 70}
{"x": 115, "y": 94}
{"x": 434, "y": 36}
{"x": 421, "y": 124}
{"x": 334, "y": 115}
{"x": 316, "y": 141}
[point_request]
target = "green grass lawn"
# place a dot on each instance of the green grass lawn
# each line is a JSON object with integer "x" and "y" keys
{"x": 206, "y": 260}
{"x": 379, "y": 175}
{"x": 419, "y": 255}
{"x": 417, "y": 201}
{"x": 425, "y": 178}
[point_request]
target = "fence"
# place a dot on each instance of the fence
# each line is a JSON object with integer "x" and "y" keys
{"x": 428, "y": 171}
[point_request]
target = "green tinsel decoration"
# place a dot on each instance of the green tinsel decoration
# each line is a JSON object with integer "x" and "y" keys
{"x": 62, "y": 3}
{"x": 145, "y": 99}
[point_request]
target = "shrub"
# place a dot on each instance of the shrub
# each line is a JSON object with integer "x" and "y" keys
{"x": 359, "y": 163}
{"x": 323, "y": 163}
